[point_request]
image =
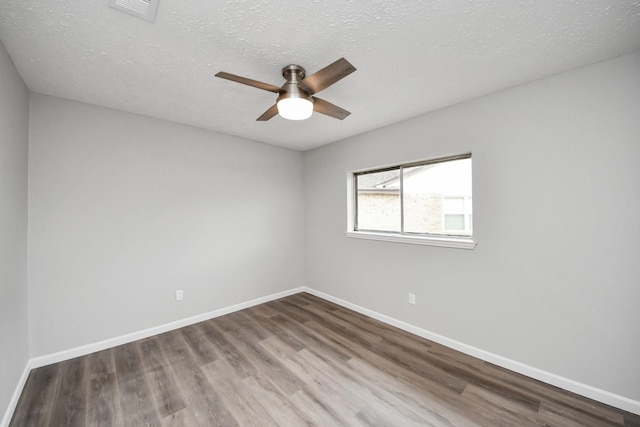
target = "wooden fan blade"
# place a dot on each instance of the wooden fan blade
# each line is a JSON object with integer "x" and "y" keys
{"x": 248, "y": 82}
{"x": 273, "y": 111}
{"x": 327, "y": 76}
{"x": 329, "y": 109}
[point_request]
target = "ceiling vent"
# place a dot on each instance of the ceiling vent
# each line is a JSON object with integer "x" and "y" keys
{"x": 145, "y": 9}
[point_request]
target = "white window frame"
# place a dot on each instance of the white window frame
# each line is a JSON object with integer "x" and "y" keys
{"x": 458, "y": 242}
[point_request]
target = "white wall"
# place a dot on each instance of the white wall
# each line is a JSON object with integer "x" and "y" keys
{"x": 554, "y": 282}
{"x": 14, "y": 128}
{"x": 124, "y": 210}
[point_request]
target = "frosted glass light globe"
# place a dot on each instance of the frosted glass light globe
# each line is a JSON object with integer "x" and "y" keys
{"x": 295, "y": 108}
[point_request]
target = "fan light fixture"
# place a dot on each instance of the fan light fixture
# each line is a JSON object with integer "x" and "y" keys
{"x": 294, "y": 108}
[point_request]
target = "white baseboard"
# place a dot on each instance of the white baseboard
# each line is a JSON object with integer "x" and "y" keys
{"x": 6, "y": 419}
{"x": 48, "y": 359}
{"x": 585, "y": 390}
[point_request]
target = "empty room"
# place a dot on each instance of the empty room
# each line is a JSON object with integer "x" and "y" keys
{"x": 358, "y": 213}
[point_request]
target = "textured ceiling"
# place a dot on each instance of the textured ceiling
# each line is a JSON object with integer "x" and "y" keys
{"x": 412, "y": 56}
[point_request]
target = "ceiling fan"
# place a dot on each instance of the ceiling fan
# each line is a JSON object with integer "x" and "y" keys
{"x": 295, "y": 97}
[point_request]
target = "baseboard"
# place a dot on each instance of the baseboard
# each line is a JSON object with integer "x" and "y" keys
{"x": 585, "y": 390}
{"x": 48, "y": 359}
{"x": 6, "y": 419}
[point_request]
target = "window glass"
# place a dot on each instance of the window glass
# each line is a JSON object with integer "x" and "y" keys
{"x": 453, "y": 222}
{"x": 378, "y": 201}
{"x": 431, "y": 198}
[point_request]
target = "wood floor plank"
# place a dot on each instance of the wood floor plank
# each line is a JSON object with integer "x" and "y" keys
{"x": 275, "y": 402}
{"x": 495, "y": 409}
{"x": 100, "y": 363}
{"x": 298, "y": 299}
{"x": 404, "y": 339}
{"x": 424, "y": 376}
{"x": 311, "y": 299}
{"x": 160, "y": 377}
{"x": 436, "y": 407}
{"x": 248, "y": 324}
{"x": 553, "y": 395}
{"x": 261, "y": 360}
{"x": 313, "y": 373}
{"x": 201, "y": 396}
{"x": 243, "y": 406}
{"x": 101, "y": 401}
{"x": 174, "y": 346}
{"x": 229, "y": 323}
{"x": 311, "y": 338}
{"x": 296, "y": 361}
{"x": 227, "y": 350}
{"x": 151, "y": 353}
{"x": 394, "y": 397}
{"x": 289, "y": 337}
{"x": 69, "y": 408}
{"x": 344, "y": 326}
{"x": 265, "y": 310}
{"x": 430, "y": 387}
{"x": 317, "y": 412}
{"x": 291, "y": 310}
{"x": 182, "y": 418}
{"x": 203, "y": 350}
{"x": 473, "y": 374}
{"x": 377, "y": 416}
{"x": 390, "y": 396}
{"x": 551, "y": 413}
{"x": 103, "y": 393}
{"x": 135, "y": 397}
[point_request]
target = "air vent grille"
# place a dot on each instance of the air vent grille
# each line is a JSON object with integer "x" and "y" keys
{"x": 145, "y": 9}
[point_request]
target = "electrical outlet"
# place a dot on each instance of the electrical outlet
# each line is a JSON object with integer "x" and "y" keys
{"x": 179, "y": 295}
{"x": 412, "y": 298}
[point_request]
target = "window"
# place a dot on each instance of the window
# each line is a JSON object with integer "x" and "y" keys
{"x": 427, "y": 202}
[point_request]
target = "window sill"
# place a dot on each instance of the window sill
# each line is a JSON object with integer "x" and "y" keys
{"x": 446, "y": 242}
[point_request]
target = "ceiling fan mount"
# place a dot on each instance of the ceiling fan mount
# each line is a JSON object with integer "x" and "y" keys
{"x": 295, "y": 97}
{"x": 293, "y": 71}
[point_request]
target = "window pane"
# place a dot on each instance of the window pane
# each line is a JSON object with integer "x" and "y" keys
{"x": 454, "y": 222}
{"x": 378, "y": 204}
{"x": 433, "y": 191}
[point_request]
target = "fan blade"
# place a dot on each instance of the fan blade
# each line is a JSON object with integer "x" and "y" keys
{"x": 249, "y": 82}
{"x": 270, "y": 113}
{"x": 329, "y": 109}
{"x": 327, "y": 76}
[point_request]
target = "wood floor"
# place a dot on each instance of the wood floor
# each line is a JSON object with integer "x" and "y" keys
{"x": 292, "y": 362}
